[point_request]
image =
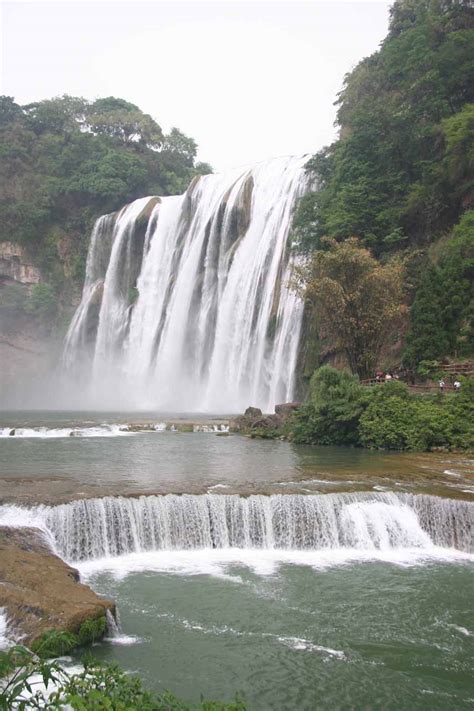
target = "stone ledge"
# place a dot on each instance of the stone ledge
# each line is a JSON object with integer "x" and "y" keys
{"x": 39, "y": 591}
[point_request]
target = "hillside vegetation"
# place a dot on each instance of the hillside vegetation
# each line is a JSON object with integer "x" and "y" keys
{"x": 400, "y": 181}
{"x": 64, "y": 162}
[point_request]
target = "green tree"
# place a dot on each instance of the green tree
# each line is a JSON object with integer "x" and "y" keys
{"x": 331, "y": 414}
{"x": 356, "y": 301}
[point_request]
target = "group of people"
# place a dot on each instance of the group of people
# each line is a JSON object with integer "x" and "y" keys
{"x": 456, "y": 385}
{"x": 380, "y": 376}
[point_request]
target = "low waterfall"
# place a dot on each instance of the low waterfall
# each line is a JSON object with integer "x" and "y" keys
{"x": 186, "y": 304}
{"x": 113, "y": 526}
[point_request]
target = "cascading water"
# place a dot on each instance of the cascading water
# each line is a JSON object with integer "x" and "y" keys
{"x": 186, "y": 304}
{"x": 113, "y": 526}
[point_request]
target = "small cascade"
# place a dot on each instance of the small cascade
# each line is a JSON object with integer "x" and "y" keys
{"x": 186, "y": 303}
{"x": 113, "y": 526}
{"x": 4, "y": 639}
{"x": 113, "y": 624}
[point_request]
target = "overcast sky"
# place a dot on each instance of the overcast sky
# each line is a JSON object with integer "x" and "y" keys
{"x": 247, "y": 80}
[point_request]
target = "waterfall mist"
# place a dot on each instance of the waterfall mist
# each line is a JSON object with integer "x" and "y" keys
{"x": 186, "y": 305}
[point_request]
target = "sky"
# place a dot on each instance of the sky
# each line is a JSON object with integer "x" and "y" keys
{"x": 247, "y": 80}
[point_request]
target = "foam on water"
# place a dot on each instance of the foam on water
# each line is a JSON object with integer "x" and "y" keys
{"x": 104, "y": 430}
{"x": 223, "y": 563}
{"x": 4, "y": 641}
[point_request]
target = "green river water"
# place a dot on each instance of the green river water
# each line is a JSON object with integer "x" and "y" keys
{"x": 293, "y": 630}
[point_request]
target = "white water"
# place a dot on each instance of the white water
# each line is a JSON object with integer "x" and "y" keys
{"x": 58, "y": 432}
{"x": 4, "y": 641}
{"x": 358, "y": 525}
{"x": 214, "y": 326}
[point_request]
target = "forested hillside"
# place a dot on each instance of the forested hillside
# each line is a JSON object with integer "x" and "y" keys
{"x": 64, "y": 162}
{"x": 400, "y": 177}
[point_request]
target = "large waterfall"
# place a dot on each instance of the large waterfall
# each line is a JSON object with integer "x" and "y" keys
{"x": 113, "y": 526}
{"x": 186, "y": 304}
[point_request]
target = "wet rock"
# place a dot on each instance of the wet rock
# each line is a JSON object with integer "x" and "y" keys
{"x": 41, "y": 592}
{"x": 253, "y": 412}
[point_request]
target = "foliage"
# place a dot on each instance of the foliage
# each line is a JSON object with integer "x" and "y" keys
{"x": 331, "y": 414}
{"x": 42, "y": 302}
{"x": 356, "y": 300}
{"x": 402, "y": 167}
{"x": 17, "y": 300}
{"x": 401, "y": 173}
{"x": 339, "y": 411}
{"x": 64, "y": 161}
{"x": 442, "y": 315}
{"x": 55, "y": 644}
{"x": 100, "y": 687}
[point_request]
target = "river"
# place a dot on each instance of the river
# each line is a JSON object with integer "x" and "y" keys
{"x": 297, "y": 577}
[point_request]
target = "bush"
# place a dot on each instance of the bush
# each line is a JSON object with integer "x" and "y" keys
{"x": 400, "y": 423}
{"x": 99, "y": 687}
{"x": 331, "y": 415}
{"x": 339, "y": 411}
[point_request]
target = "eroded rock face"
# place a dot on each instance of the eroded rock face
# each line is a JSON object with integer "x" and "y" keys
{"x": 40, "y": 591}
{"x": 15, "y": 265}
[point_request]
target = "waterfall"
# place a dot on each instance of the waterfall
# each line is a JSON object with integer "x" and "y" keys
{"x": 186, "y": 304}
{"x": 113, "y": 526}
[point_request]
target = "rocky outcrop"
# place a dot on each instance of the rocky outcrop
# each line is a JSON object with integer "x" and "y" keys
{"x": 254, "y": 420}
{"x": 16, "y": 266}
{"x": 39, "y": 591}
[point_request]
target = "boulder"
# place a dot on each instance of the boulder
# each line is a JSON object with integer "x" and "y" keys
{"x": 253, "y": 412}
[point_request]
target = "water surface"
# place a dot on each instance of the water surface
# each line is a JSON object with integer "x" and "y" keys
{"x": 59, "y": 468}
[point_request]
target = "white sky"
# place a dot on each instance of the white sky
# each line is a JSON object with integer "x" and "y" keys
{"x": 247, "y": 80}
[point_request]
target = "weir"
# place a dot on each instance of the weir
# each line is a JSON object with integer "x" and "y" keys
{"x": 113, "y": 526}
{"x": 186, "y": 303}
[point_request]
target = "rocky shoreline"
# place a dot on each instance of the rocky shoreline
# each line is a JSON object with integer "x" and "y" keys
{"x": 41, "y": 593}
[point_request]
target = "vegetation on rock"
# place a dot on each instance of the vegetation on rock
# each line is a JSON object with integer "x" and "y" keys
{"x": 400, "y": 176}
{"x": 64, "y": 162}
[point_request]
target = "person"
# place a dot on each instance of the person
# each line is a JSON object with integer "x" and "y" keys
{"x": 441, "y": 385}
{"x": 457, "y": 385}
{"x": 388, "y": 377}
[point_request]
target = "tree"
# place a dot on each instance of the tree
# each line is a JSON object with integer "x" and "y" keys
{"x": 442, "y": 314}
{"x": 356, "y": 300}
{"x": 120, "y": 119}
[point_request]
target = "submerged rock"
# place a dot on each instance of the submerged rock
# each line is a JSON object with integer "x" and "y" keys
{"x": 39, "y": 591}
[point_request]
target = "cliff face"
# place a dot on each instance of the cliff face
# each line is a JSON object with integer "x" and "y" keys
{"x": 25, "y": 339}
{"x": 16, "y": 266}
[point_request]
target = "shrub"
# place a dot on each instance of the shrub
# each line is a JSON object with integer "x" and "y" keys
{"x": 331, "y": 415}
{"x": 98, "y": 686}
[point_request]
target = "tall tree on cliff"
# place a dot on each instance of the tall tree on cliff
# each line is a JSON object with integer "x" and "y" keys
{"x": 356, "y": 300}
